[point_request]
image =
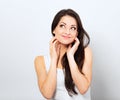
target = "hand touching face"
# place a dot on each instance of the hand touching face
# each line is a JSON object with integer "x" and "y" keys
{"x": 73, "y": 48}
{"x": 54, "y": 48}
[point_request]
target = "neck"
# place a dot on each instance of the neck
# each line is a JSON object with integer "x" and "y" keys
{"x": 63, "y": 50}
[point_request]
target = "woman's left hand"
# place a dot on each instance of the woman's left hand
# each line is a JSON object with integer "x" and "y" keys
{"x": 72, "y": 49}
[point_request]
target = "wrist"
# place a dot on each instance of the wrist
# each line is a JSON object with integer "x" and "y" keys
{"x": 54, "y": 62}
{"x": 70, "y": 57}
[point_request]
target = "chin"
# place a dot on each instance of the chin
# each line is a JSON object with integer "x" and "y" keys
{"x": 65, "y": 42}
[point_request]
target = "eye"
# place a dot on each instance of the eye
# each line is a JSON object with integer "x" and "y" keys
{"x": 73, "y": 28}
{"x": 62, "y": 25}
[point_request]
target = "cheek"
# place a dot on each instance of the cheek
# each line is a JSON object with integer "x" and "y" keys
{"x": 73, "y": 39}
{"x": 75, "y": 35}
{"x": 57, "y": 36}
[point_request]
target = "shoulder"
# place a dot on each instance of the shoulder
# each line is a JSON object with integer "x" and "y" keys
{"x": 88, "y": 53}
{"x": 40, "y": 69}
{"x": 88, "y": 50}
{"x": 39, "y": 60}
{"x": 39, "y": 64}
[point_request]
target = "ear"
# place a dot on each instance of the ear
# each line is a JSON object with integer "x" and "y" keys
{"x": 54, "y": 33}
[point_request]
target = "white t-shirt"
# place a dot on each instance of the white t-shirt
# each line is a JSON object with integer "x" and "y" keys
{"x": 61, "y": 93}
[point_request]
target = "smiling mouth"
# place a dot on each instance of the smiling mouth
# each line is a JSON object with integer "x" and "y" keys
{"x": 64, "y": 36}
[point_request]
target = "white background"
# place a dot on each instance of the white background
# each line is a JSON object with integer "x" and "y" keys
{"x": 25, "y": 32}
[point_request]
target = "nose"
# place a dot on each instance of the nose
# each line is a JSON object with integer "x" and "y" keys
{"x": 67, "y": 31}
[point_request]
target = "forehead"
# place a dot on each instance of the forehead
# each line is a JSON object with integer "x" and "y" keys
{"x": 68, "y": 20}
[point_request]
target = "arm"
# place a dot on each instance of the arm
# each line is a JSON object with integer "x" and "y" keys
{"x": 47, "y": 81}
{"x": 82, "y": 81}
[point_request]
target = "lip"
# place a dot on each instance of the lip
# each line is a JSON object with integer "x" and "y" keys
{"x": 65, "y": 36}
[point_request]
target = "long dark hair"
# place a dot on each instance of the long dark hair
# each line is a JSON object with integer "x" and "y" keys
{"x": 79, "y": 54}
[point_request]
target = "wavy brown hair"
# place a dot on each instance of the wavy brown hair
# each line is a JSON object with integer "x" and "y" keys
{"x": 79, "y": 54}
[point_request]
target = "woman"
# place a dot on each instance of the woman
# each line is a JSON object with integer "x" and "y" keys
{"x": 68, "y": 73}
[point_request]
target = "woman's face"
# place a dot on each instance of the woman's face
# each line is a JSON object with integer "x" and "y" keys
{"x": 66, "y": 30}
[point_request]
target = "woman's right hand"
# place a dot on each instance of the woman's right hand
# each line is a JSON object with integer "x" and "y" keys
{"x": 54, "y": 49}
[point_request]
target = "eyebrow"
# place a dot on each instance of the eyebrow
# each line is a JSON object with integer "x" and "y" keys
{"x": 65, "y": 24}
{"x": 74, "y": 25}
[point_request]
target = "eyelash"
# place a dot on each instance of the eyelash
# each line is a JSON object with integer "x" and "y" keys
{"x": 62, "y": 25}
{"x": 73, "y": 28}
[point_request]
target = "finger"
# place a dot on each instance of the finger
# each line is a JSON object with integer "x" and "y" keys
{"x": 77, "y": 42}
{"x": 76, "y": 39}
{"x": 69, "y": 47}
{"x": 55, "y": 42}
{"x": 53, "y": 39}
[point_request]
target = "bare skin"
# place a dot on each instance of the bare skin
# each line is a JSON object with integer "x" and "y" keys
{"x": 59, "y": 45}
